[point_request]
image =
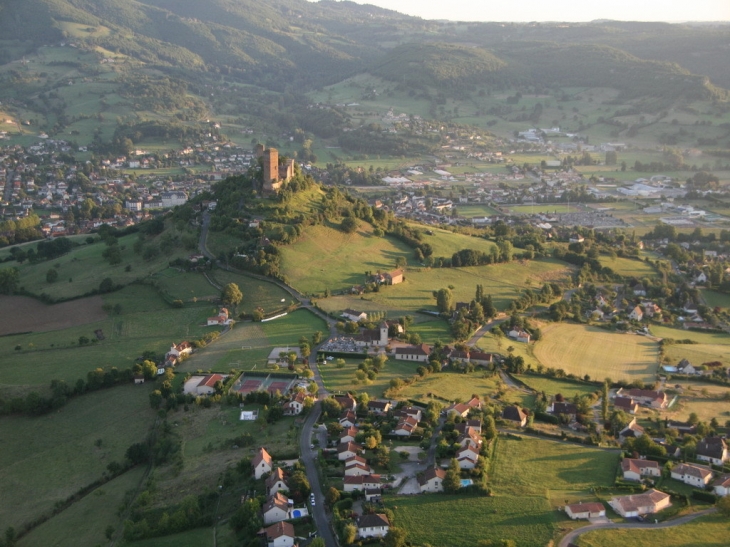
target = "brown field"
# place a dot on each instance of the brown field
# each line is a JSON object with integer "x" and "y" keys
{"x": 23, "y": 314}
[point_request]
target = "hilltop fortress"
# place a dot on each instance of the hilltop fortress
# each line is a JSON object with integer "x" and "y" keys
{"x": 275, "y": 172}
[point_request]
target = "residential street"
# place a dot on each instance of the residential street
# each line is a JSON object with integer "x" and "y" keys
{"x": 308, "y": 458}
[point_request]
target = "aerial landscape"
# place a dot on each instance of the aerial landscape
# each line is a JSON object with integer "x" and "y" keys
{"x": 329, "y": 274}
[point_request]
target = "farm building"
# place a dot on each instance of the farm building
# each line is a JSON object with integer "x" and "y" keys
{"x": 203, "y": 385}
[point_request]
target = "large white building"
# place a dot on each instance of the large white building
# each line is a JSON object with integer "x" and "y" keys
{"x": 171, "y": 199}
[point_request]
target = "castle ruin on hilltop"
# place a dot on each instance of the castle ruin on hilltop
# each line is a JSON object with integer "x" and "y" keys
{"x": 276, "y": 172}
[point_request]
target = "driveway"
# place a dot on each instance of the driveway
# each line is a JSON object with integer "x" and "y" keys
{"x": 568, "y": 539}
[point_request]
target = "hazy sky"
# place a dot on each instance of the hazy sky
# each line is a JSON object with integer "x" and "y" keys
{"x": 561, "y": 10}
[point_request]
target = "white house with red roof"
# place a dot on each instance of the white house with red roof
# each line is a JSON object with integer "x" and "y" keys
{"x": 221, "y": 319}
{"x": 203, "y": 385}
{"x": 261, "y": 463}
{"x": 280, "y": 534}
{"x": 361, "y": 482}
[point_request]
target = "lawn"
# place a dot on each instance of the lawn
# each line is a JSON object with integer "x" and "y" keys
{"x": 551, "y": 386}
{"x": 328, "y": 258}
{"x": 88, "y": 517}
{"x": 532, "y": 467}
{"x": 343, "y": 379}
{"x": 431, "y": 331}
{"x": 46, "y": 459}
{"x": 581, "y": 350}
{"x": 710, "y": 531}
{"x": 258, "y": 339}
{"x": 628, "y": 267}
{"x": 463, "y": 521}
{"x": 504, "y": 282}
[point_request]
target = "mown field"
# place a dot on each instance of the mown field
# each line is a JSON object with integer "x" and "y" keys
{"x": 452, "y": 386}
{"x": 471, "y": 210}
{"x": 463, "y": 521}
{"x": 46, "y": 459}
{"x": 88, "y": 518}
{"x": 259, "y": 339}
{"x": 533, "y": 467}
{"x": 710, "y": 531}
{"x": 343, "y": 379}
{"x": 503, "y": 281}
{"x": 581, "y": 350}
{"x": 431, "y": 331}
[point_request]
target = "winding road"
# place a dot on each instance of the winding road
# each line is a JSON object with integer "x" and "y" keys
{"x": 308, "y": 455}
{"x": 570, "y": 537}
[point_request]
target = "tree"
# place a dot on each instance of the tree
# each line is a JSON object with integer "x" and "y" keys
{"x": 231, "y": 295}
{"x": 396, "y": 537}
{"x": 723, "y": 505}
{"x": 349, "y": 225}
{"x": 349, "y": 533}
{"x": 106, "y": 285}
{"x": 9, "y": 278}
{"x": 52, "y": 275}
{"x": 445, "y": 300}
{"x": 452, "y": 480}
{"x": 332, "y": 496}
{"x": 604, "y": 402}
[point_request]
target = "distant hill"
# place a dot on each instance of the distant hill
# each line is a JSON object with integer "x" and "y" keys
{"x": 438, "y": 64}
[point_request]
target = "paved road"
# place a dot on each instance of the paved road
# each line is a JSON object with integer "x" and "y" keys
{"x": 484, "y": 329}
{"x": 568, "y": 539}
{"x": 308, "y": 456}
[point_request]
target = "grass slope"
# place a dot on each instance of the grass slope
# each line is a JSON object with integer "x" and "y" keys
{"x": 44, "y": 460}
{"x": 711, "y": 531}
{"x": 328, "y": 258}
{"x": 503, "y": 281}
{"x": 343, "y": 379}
{"x": 461, "y": 521}
{"x": 581, "y": 350}
{"x": 711, "y": 346}
{"x": 81, "y": 270}
{"x": 88, "y": 518}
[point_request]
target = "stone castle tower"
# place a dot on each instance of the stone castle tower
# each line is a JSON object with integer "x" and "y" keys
{"x": 274, "y": 175}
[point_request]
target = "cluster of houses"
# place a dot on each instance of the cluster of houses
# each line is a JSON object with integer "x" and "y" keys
{"x": 278, "y": 507}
